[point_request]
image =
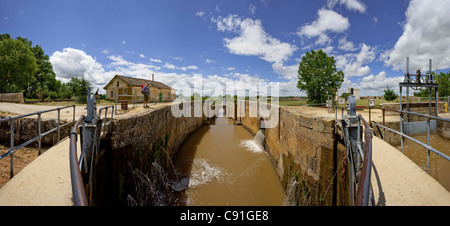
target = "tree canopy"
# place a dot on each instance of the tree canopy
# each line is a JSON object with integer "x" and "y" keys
{"x": 318, "y": 76}
{"x": 17, "y": 65}
{"x": 26, "y": 68}
{"x": 389, "y": 94}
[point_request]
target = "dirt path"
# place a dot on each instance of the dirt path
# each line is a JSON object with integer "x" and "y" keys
{"x": 22, "y": 158}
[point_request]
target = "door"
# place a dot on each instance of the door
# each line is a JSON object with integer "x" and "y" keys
{"x": 160, "y": 97}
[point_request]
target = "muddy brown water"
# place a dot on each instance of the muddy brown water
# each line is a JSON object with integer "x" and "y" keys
{"x": 439, "y": 167}
{"x": 223, "y": 166}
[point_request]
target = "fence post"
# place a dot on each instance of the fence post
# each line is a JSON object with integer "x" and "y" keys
{"x": 11, "y": 165}
{"x": 428, "y": 144}
{"x": 59, "y": 124}
{"x": 39, "y": 132}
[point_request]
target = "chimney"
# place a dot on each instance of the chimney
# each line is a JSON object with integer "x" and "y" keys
{"x": 153, "y": 77}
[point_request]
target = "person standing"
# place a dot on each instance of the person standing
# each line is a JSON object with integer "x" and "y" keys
{"x": 146, "y": 91}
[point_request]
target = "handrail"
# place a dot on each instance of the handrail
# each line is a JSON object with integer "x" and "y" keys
{"x": 78, "y": 191}
{"x": 363, "y": 192}
{"x": 11, "y": 119}
{"x": 79, "y": 195}
{"x": 403, "y": 135}
{"x": 418, "y": 142}
{"x": 106, "y": 113}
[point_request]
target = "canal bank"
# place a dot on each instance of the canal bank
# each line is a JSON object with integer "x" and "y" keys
{"x": 123, "y": 167}
{"x": 300, "y": 148}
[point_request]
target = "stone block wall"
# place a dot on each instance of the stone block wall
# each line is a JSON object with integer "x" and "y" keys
{"x": 138, "y": 141}
{"x": 11, "y": 97}
{"x": 302, "y": 151}
{"x": 27, "y": 128}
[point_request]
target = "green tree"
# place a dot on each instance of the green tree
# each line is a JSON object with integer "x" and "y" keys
{"x": 444, "y": 84}
{"x": 345, "y": 95}
{"x": 389, "y": 94}
{"x": 318, "y": 77}
{"x": 45, "y": 77}
{"x": 17, "y": 65}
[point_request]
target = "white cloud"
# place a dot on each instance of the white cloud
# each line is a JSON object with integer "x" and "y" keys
{"x": 265, "y": 3}
{"x": 209, "y": 61}
{"x": 141, "y": 55}
{"x": 71, "y": 62}
{"x": 353, "y": 5}
{"x": 231, "y": 68}
{"x": 375, "y": 19}
{"x": 425, "y": 36}
{"x": 352, "y": 63}
{"x": 253, "y": 40}
{"x": 200, "y": 13}
{"x": 252, "y": 9}
{"x": 328, "y": 21}
{"x": 74, "y": 62}
{"x": 288, "y": 72}
{"x": 171, "y": 66}
{"x": 155, "y": 60}
{"x": 346, "y": 45}
{"x": 124, "y": 42}
{"x": 178, "y": 58}
{"x": 375, "y": 84}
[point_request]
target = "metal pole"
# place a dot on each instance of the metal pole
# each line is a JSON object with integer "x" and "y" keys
{"x": 429, "y": 102}
{"x": 436, "y": 102}
{"x": 39, "y": 132}
{"x": 401, "y": 118}
{"x": 428, "y": 144}
{"x": 59, "y": 124}
{"x": 407, "y": 103}
{"x": 383, "y": 124}
{"x": 11, "y": 164}
{"x": 111, "y": 121}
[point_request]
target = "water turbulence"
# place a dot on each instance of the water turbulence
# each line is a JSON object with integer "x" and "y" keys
{"x": 223, "y": 164}
{"x": 256, "y": 144}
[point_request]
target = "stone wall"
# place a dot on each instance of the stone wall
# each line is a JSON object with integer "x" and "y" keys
{"x": 443, "y": 129}
{"x": 138, "y": 141}
{"x": 301, "y": 148}
{"x": 11, "y": 97}
{"x": 27, "y": 128}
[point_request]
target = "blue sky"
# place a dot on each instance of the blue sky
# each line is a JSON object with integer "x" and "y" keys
{"x": 240, "y": 41}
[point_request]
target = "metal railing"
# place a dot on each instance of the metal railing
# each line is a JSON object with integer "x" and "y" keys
{"x": 79, "y": 195}
{"x": 13, "y": 148}
{"x": 427, "y": 146}
{"x": 78, "y": 190}
{"x": 363, "y": 192}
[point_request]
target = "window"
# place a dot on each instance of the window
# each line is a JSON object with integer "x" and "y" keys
{"x": 112, "y": 93}
{"x": 124, "y": 92}
{"x": 117, "y": 83}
